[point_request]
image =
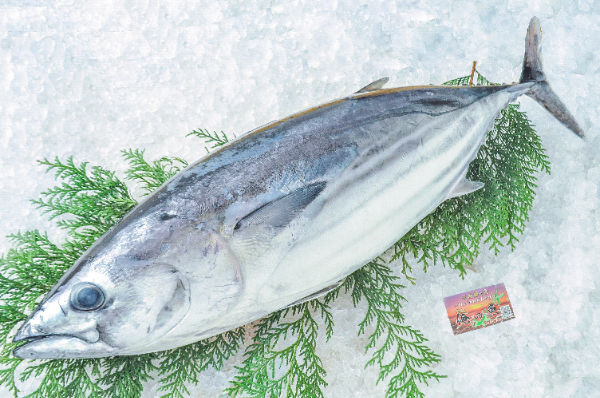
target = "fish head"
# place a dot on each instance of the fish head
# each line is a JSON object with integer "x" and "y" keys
{"x": 104, "y": 307}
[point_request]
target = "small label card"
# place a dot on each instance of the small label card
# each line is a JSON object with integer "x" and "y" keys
{"x": 478, "y": 308}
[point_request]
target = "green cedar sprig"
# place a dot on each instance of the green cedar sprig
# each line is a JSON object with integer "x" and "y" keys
{"x": 151, "y": 176}
{"x": 65, "y": 378}
{"x": 481, "y": 80}
{"x": 181, "y": 366}
{"x": 8, "y": 368}
{"x": 94, "y": 200}
{"x": 379, "y": 288}
{"x": 292, "y": 371}
{"x": 464, "y": 80}
{"x": 123, "y": 376}
{"x": 214, "y": 139}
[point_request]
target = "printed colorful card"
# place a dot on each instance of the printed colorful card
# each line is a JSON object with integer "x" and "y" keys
{"x": 479, "y": 308}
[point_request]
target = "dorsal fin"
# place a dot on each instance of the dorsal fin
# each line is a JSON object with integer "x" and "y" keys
{"x": 376, "y": 85}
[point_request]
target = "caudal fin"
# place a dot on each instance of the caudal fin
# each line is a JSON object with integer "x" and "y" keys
{"x": 533, "y": 72}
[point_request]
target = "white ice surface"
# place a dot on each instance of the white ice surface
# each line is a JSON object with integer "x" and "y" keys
{"x": 89, "y": 78}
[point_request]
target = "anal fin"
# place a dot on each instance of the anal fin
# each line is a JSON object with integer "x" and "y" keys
{"x": 320, "y": 293}
{"x": 464, "y": 187}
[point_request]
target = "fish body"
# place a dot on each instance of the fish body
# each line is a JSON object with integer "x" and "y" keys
{"x": 276, "y": 217}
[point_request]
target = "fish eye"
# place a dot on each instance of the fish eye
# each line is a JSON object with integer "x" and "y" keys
{"x": 87, "y": 297}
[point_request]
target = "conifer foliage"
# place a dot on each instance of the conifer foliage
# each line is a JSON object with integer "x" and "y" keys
{"x": 281, "y": 358}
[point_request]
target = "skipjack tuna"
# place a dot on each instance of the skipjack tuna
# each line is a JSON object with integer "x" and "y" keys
{"x": 275, "y": 218}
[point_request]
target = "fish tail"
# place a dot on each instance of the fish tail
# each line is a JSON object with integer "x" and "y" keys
{"x": 541, "y": 91}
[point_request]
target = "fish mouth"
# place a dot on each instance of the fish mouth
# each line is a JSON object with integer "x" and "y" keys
{"x": 60, "y": 346}
{"x": 40, "y": 342}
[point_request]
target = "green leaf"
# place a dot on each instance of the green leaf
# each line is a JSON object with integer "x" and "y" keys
{"x": 464, "y": 80}
{"x": 94, "y": 200}
{"x": 8, "y": 367}
{"x": 459, "y": 81}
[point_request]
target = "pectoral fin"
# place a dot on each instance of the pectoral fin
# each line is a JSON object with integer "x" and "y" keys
{"x": 260, "y": 239}
{"x": 281, "y": 211}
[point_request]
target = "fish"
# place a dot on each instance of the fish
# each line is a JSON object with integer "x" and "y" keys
{"x": 277, "y": 217}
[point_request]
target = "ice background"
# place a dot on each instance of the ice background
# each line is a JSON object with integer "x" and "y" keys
{"x": 89, "y": 78}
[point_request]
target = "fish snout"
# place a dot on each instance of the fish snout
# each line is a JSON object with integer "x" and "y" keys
{"x": 50, "y": 321}
{"x": 52, "y": 337}
{"x": 41, "y": 323}
{"x": 25, "y": 332}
